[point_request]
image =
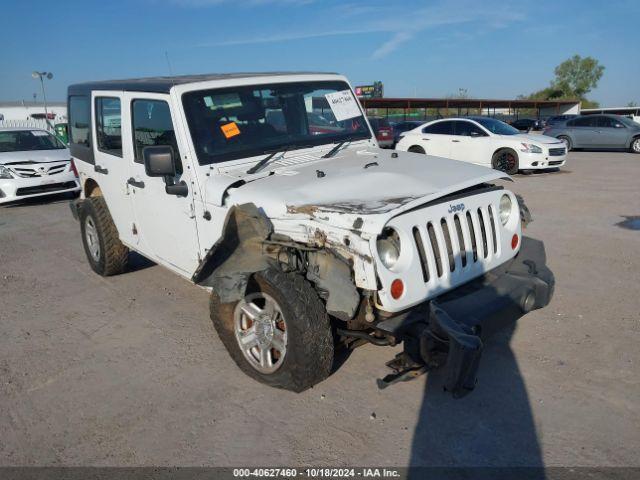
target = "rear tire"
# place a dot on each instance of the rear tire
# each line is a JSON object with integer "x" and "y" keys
{"x": 567, "y": 142}
{"x": 505, "y": 160}
{"x": 289, "y": 330}
{"x": 416, "y": 149}
{"x": 635, "y": 145}
{"x": 105, "y": 252}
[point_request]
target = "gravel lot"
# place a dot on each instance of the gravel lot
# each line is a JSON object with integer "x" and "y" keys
{"x": 128, "y": 370}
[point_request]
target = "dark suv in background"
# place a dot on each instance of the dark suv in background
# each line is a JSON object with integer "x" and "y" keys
{"x": 606, "y": 132}
{"x": 527, "y": 124}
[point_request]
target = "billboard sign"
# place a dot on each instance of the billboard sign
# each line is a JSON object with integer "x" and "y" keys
{"x": 370, "y": 91}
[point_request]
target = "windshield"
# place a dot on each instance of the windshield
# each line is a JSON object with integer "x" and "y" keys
{"x": 497, "y": 127}
{"x": 28, "y": 140}
{"x": 245, "y": 121}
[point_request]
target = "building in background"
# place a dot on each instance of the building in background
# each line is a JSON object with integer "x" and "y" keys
{"x": 425, "y": 109}
{"x": 632, "y": 112}
{"x": 31, "y": 114}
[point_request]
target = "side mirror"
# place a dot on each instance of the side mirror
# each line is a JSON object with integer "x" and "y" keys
{"x": 159, "y": 161}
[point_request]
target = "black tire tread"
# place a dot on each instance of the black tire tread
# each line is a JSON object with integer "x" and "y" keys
{"x": 310, "y": 354}
{"x": 114, "y": 253}
{"x": 497, "y": 152}
{"x": 417, "y": 149}
{"x": 569, "y": 143}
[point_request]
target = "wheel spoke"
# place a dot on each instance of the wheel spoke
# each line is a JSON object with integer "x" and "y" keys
{"x": 265, "y": 357}
{"x": 278, "y": 340}
{"x": 251, "y": 310}
{"x": 249, "y": 339}
{"x": 269, "y": 309}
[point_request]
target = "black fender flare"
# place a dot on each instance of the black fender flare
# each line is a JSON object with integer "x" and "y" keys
{"x": 237, "y": 255}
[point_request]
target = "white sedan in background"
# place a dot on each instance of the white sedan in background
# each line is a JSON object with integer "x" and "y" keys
{"x": 485, "y": 141}
{"x": 34, "y": 163}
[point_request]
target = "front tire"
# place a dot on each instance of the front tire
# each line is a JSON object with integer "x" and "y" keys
{"x": 416, "y": 149}
{"x": 105, "y": 252}
{"x": 279, "y": 333}
{"x": 567, "y": 142}
{"x": 635, "y": 145}
{"x": 505, "y": 160}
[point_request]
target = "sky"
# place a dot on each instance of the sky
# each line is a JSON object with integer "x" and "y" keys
{"x": 417, "y": 48}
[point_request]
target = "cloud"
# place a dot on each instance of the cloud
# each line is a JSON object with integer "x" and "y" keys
{"x": 402, "y": 24}
{"x": 245, "y": 3}
{"x": 287, "y": 37}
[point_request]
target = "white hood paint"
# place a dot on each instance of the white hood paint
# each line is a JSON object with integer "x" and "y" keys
{"x": 36, "y": 156}
{"x": 350, "y": 196}
{"x": 541, "y": 139}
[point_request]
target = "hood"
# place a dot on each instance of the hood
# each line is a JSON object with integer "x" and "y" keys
{"x": 359, "y": 188}
{"x": 541, "y": 139}
{"x": 35, "y": 156}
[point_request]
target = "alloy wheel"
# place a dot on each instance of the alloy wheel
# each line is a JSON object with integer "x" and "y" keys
{"x": 261, "y": 331}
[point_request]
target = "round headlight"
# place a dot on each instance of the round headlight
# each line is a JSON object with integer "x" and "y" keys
{"x": 389, "y": 248}
{"x": 505, "y": 208}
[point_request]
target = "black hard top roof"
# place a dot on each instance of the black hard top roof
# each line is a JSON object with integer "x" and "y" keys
{"x": 164, "y": 84}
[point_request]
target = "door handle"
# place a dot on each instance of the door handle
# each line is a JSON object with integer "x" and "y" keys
{"x": 426, "y": 139}
{"x": 99, "y": 169}
{"x": 455, "y": 141}
{"x": 138, "y": 184}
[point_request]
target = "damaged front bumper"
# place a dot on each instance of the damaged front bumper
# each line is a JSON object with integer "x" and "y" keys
{"x": 448, "y": 331}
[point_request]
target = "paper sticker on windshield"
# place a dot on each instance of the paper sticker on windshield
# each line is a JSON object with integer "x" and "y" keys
{"x": 230, "y": 130}
{"x": 39, "y": 133}
{"x": 343, "y": 105}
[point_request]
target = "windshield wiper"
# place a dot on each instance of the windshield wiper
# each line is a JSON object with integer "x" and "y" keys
{"x": 262, "y": 163}
{"x": 335, "y": 149}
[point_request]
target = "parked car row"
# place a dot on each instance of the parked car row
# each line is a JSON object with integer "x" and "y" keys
{"x": 493, "y": 143}
{"x": 485, "y": 141}
{"x": 33, "y": 162}
{"x": 597, "y": 132}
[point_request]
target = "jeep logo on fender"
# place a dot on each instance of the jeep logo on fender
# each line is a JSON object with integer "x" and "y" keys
{"x": 456, "y": 208}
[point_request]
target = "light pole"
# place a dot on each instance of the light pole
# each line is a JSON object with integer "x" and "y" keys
{"x": 41, "y": 76}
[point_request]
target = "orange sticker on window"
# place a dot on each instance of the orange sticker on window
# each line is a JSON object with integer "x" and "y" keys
{"x": 230, "y": 130}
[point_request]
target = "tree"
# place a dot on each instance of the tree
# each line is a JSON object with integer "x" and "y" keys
{"x": 632, "y": 104}
{"x": 577, "y": 76}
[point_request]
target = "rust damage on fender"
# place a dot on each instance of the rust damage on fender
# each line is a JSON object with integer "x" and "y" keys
{"x": 365, "y": 208}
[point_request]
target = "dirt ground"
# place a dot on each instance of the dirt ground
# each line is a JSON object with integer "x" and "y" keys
{"x": 128, "y": 370}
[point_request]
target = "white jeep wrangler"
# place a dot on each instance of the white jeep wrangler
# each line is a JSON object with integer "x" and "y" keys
{"x": 271, "y": 191}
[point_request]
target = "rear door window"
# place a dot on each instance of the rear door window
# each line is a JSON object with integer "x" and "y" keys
{"x": 108, "y": 122}
{"x": 584, "y": 122}
{"x": 79, "y": 115}
{"x": 440, "y": 128}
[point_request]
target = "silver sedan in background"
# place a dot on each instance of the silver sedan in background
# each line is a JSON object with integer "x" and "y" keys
{"x": 606, "y": 132}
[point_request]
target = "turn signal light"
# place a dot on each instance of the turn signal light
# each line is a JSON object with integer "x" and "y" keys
{"x": 514, "y": 241}
{"x": 397, "y": 289}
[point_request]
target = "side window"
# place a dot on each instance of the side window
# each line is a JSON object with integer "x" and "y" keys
{"x": 466, "y": 129}
{"x": 608, "y": 122}
{"x": 79, "y": 115}
{"x": 440, "y": 128}
{"x": 108, "y": 122}
{"x": 584, "y": 122}
{"x": 152, "y": 125}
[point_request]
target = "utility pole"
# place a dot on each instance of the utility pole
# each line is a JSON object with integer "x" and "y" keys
{"x": 42, "y": 76}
